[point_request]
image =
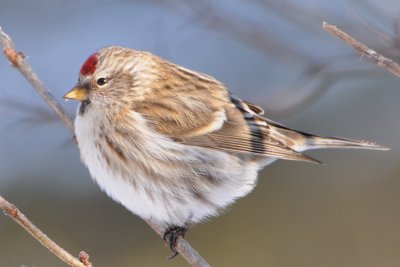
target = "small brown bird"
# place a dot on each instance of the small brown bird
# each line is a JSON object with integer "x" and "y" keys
{"x": 173, "y": 144}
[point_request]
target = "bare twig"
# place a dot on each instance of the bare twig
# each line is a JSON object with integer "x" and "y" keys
{"x": 184, "y": 248}
{"x": 17, "y": 59}
{"x": 270, "y": 40}
{"x": 380, "y": 60}
{"x": 12, "y": 211}
{"x": 84, "y": 258}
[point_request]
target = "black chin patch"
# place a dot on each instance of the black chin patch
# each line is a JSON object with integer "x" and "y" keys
{"x": 84, "y": 105}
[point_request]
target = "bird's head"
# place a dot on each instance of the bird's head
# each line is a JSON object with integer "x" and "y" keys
{"x": 113, "y": 75}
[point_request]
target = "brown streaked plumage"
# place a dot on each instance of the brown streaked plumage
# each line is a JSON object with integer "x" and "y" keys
{"x": 172, "y": 144}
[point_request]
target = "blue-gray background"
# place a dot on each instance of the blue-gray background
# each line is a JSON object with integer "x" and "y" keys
{"x": 274, "y": 53}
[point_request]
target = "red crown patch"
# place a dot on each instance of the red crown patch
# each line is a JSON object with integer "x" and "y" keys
{"x": 89, "y": 67}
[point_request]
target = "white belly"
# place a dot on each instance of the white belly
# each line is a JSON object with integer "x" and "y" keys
{"x": 176, "y": 204}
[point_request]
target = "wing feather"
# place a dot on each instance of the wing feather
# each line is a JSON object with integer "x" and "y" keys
{"x": 237, "y": 135}
{"x": 205, "y": 114}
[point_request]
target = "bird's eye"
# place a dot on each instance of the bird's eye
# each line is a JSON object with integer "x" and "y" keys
{"x": 101, "y": 81}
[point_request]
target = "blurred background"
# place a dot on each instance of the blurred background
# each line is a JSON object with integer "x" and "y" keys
{"x": 273, "y": 53}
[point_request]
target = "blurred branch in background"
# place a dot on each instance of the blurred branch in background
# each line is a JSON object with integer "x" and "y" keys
{"x": 341, "y": 213}
{"x": 319, "y": 72}
{"x": 32, "y": 114}
{"x": 17, "y": 59}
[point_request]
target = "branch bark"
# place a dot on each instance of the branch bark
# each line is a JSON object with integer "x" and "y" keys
{"x": 18, "y": 60}
{"x": 379, "y": 59}
{"x": 12, "y": 211}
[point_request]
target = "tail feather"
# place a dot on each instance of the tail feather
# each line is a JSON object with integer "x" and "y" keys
{"x": 302, "y": 141}
{"x": 316, "y": 142}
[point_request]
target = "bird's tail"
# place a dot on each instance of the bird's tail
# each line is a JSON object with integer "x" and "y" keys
{"x": 301, "y": 141}
{"x": 316, "y": 142}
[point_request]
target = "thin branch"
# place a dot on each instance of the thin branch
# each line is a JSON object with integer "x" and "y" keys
{"x": 18, "y": 60}
{"x": 84, "y": 258}
{"x": 380, "y": 60}
{"x": 257, "y": 35}
{"x": 12, "y": 211}
{"x": 184, "y": 248}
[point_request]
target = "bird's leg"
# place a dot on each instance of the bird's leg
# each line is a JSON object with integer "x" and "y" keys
{"x": 171, "y": 235}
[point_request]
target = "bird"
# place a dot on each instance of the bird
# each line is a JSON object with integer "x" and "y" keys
{"x": 175, "y": 145}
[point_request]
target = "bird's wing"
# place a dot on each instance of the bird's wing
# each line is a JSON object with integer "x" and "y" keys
{"x": 245, "y": 131}
{"x": 203, "y": 113}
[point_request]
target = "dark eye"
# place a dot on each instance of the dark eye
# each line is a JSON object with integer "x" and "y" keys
{"x": 101, "y": 81}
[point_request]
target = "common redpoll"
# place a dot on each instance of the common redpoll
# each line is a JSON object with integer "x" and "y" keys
{"x": 172, "y": 144}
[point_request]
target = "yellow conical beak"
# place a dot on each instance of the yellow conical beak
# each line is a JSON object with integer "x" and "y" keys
{"x": 77, "y": 93}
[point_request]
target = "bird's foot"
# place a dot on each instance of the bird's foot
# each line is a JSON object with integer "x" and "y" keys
{"x": 171, "y": 236}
